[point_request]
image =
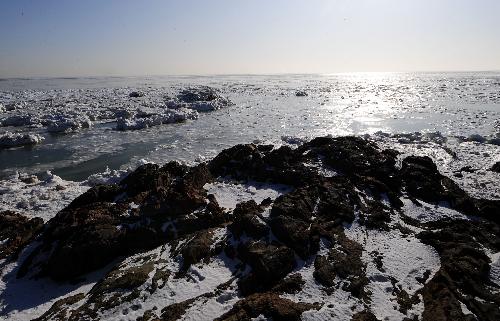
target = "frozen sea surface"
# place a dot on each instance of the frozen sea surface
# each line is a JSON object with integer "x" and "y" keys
{"x": 265, "y": 109}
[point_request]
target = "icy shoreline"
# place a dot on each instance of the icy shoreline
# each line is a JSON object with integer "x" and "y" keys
{"x": 469, "y": 164}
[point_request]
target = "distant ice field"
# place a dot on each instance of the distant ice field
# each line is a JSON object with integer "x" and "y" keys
{"x": 82, "y": 139}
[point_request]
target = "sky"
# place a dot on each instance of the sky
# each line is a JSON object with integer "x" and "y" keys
{"x": 196, "y": 37}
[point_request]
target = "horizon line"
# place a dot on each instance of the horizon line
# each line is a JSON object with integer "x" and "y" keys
{"x": 244, "y": 74}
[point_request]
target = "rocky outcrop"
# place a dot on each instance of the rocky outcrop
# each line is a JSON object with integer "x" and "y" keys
{"x": 111, "y": 221}
{"x": 269, "y": 305}
{"x": 163, "y": 228}
{"x": 270, "y": 263}
{"x": 464, "y": 274}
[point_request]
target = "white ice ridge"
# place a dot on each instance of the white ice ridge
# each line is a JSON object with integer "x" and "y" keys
{"x": 9, "y": 139}
{"x": 147, "y": 120}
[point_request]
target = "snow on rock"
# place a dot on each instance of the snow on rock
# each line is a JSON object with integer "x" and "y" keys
{"x": 26, "y": 299}
{"x": 466, "y": 163}
{"x": 425, "y": 212}
{"x": 228, "y": 193}
{"x": 404, "y": 259}
{"x": 337, "y": 305}
{"x": 9, "y": 139}
{"x": 495, "y": 268}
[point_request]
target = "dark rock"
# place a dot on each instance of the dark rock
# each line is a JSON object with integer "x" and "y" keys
{"x": 464, "y": 273}
{"x": 123, "y": 278}
{"x": 291, "y": 284}
{"x": 422, "y": 180}
{"x": 58, "y": 311}
{"x": 324, "y": 271}
{"x": 268, "y": 304}
{"x": 496, "y": 167}
{"x": 92, "y": 231}
{"x": 355, "y": 157}
{"x": 99, "y": 193}
{"x": 300, "y": 93}
{"x": 246, "y": 220}
{"x": 343, "y": 261}
{"x": 297, "y": 218}
{"x": 270, "y": 264}
{"x": 175, "y": 311}
{"x": 196, "y": 249}
{"x": 364, "y": 316}
{"x": 237, "y": 161}
{"x": 136, "y": 94}
{"x": 375, "y": 215}
{"x": 16, "y": 231}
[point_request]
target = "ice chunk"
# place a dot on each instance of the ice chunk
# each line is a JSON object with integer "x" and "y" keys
{"x": 19, "y": 139}
{"x": 67, "y": 124}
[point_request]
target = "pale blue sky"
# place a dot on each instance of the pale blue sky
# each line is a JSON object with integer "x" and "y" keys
{"x": 123, "y": 37}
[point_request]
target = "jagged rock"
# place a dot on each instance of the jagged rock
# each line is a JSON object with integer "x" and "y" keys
{"x": 345, "y": 262}
{"x": 59, "y": 310}
{"x": 268, "y": 304}
{"x": 375, "y": 215}
{"x": 16, "y": 231}
{"x": 270, "y": 263}
{"x": 364, "y": 316}
{"x": 93, "y": 230}
{"x": 175, "y": 311}
{"x": 463, "y": 276}
{"x": 196, "y": 249}
{"x": 496, "y": 167}
{"x": 246, "y": 220}
{"x": 324, "y": 272}
{"x": 291, "y": 284}
{"x": 354, "y": 156}
{"x": 297, "y": 218}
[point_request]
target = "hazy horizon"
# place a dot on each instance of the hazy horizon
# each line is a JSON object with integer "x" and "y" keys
{"x": 181, "y": 38}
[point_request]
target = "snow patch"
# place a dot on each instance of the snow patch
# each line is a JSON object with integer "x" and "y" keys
{"x": 228, "y": 193}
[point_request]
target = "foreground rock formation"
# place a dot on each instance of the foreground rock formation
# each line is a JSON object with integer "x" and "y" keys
{"x": 315, "y": 253}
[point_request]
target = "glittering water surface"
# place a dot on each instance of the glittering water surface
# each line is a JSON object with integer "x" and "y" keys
{"x": 266, "y": 108}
